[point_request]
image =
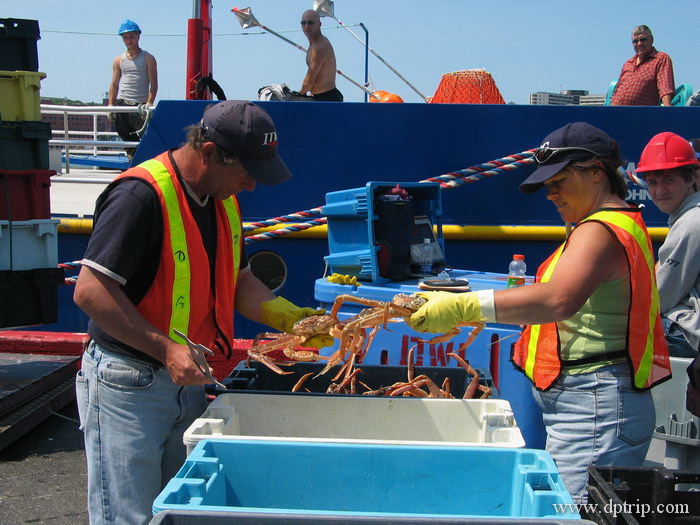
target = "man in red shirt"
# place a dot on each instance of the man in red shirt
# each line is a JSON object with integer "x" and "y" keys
{"x": 647, "y": 78}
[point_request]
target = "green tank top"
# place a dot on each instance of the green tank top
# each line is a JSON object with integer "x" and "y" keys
{"x": 599, "y": 327}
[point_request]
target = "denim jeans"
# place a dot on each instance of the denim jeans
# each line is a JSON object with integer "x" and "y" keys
{"x": 133, "y": 418}
{"x": 595, "y": 419}
{"x": 678, "y": 345}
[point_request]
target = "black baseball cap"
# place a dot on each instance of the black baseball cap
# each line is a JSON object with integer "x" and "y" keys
{"x": 575, "y": 141}
{"x": 246, "y": 131}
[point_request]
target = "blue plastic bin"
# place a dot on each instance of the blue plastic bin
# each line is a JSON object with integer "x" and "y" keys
{"x": 490, "y": 350}
{"x": 352, "y": 243}
{"x": 366, "y": 480}
{"x": 189, "y": 517}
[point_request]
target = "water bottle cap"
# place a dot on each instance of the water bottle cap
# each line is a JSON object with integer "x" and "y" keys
{"x": 518, "y": 257}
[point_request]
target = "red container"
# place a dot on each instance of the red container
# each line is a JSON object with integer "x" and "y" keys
{"x": 25, "y": 195}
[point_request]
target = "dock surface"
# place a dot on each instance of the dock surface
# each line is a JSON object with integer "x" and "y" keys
{"x": 43, "y": 474}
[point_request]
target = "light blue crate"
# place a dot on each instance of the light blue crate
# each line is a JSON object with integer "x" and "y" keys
{"x": 347, "y": 480}
{"x": 28, "y": 245}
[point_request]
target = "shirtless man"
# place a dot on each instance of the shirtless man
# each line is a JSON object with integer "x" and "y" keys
{"x": 320, "y": 59}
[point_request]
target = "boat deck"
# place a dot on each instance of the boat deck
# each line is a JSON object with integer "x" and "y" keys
{"x": 74, "y": 194}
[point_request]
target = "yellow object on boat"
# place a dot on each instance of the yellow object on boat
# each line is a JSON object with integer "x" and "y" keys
{"x": 343, "y": 279}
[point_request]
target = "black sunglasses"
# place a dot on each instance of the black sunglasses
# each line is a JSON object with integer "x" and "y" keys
{"x": 543, "y": 155}
{"x": 307, "y": 22}
{"x": 636, "y": 40}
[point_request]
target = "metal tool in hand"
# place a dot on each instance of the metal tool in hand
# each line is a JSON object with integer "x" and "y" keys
{"x": 199, "y": 353}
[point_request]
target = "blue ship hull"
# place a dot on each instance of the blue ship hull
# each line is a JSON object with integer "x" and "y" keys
{"x": 336, "y": 146}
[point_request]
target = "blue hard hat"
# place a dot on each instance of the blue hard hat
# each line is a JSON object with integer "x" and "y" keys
{"x": 127, "y": 26}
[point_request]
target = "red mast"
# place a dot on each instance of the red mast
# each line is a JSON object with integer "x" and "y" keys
{"x": 199, "y": 55}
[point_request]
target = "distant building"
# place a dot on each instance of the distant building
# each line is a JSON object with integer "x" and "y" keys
{"x": 592, "y": 100}
{"x": 76, "y": 121}
{"x": 551, "y": 99}
{"x": 568, "y": 97}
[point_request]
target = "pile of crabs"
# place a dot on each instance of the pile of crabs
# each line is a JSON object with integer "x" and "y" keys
{"x": 355, "y": 336}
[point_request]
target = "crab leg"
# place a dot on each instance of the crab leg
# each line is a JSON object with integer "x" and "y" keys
{"x": 478, "y": 327}
{"x": 301, "y": 381}
{"x": 464, "y": 364}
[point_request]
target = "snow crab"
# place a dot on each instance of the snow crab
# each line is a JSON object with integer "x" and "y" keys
{"x": 414, "y": 386}
{"x": 303, "y": 330}
{"x": 355, "y": 335}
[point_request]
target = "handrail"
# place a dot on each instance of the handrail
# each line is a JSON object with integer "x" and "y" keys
{"x": 99, "y": 143}
{"x": 94, "y": 143}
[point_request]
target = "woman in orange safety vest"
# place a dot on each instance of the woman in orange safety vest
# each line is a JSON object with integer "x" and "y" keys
{"x": 593, "y": 345}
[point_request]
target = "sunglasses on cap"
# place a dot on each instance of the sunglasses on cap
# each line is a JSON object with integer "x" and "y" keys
{"x": 307, "y": 22}
{"x": 543, "y": 155}
{"x": 637, "y": 40}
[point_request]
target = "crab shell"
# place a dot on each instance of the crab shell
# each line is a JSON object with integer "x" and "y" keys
{"x": 314, "y": 325}
{"x": 411, "y": 302}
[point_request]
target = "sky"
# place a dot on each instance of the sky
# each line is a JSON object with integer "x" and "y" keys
{"x": 526, "y": 45}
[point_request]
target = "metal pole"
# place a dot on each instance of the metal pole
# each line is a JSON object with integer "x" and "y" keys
{"x": 366, "y": 57}
{"x": 65, "y": 134}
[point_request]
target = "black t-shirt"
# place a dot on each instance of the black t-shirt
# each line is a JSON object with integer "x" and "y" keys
{"x": 126, "y": 244}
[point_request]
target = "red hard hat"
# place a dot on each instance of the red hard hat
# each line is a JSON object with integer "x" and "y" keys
{"x": 666, "y": 151}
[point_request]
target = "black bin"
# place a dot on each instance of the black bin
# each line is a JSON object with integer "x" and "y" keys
{"x": 18, "y": 44}
{"x": 642, "y": 495}
{"x": 24, "y": 145}
{"x": 29, "y": 297}
{"x": 260, "y": 378}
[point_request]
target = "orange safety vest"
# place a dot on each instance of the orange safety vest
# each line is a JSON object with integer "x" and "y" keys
{"x": 538, "y": 354}
{"x": 181, "y": 295}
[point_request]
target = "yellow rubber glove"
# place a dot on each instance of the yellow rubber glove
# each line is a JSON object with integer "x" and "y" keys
{"x": 281, "y": 315}
{"x": 445, "y": 310}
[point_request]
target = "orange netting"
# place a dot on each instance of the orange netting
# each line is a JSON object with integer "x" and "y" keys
{"x": 471, "y": 86}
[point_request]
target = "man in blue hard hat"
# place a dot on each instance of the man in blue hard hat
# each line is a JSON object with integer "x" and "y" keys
{"x": 134, "y": 83}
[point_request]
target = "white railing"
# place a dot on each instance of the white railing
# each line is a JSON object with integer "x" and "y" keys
{"x": 91, "y": 142}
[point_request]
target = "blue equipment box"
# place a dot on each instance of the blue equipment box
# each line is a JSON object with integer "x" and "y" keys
{"x": 354, "y": 480}
{"x": 490, "y": 351}
{"x": 371, "y": 236}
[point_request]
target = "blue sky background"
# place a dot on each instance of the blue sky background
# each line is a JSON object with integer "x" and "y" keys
{"x": 527, "y": 45}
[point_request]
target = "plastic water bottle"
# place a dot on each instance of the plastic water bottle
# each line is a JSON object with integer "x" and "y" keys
{"x": 516, "y": 271}
{"x": 425, "y": 261}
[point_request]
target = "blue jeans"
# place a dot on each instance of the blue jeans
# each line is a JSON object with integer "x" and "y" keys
{"x": 595, "y": 419}
{"x": 133, "y": 417}
{"x": 678, "y": 345}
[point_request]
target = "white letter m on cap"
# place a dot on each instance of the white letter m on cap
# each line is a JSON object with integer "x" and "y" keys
{"x": 270, "y": 138}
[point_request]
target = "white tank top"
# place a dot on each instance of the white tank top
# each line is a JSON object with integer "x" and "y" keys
{"x": 133, "y": 85}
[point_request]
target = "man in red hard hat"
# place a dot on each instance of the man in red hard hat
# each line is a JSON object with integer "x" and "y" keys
{"x": 669, "y": 166}
{"x": 646, "y": 79}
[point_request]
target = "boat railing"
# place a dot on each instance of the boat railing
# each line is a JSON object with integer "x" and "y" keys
{"x": 93, "y": 142}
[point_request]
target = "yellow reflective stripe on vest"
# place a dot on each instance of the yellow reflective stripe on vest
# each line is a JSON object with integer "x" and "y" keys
{"x": 535, "y": 328}
{"x": 633, "y": 228}
{"x": 180, "y": 301}
{"x": 235, "y": 224}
